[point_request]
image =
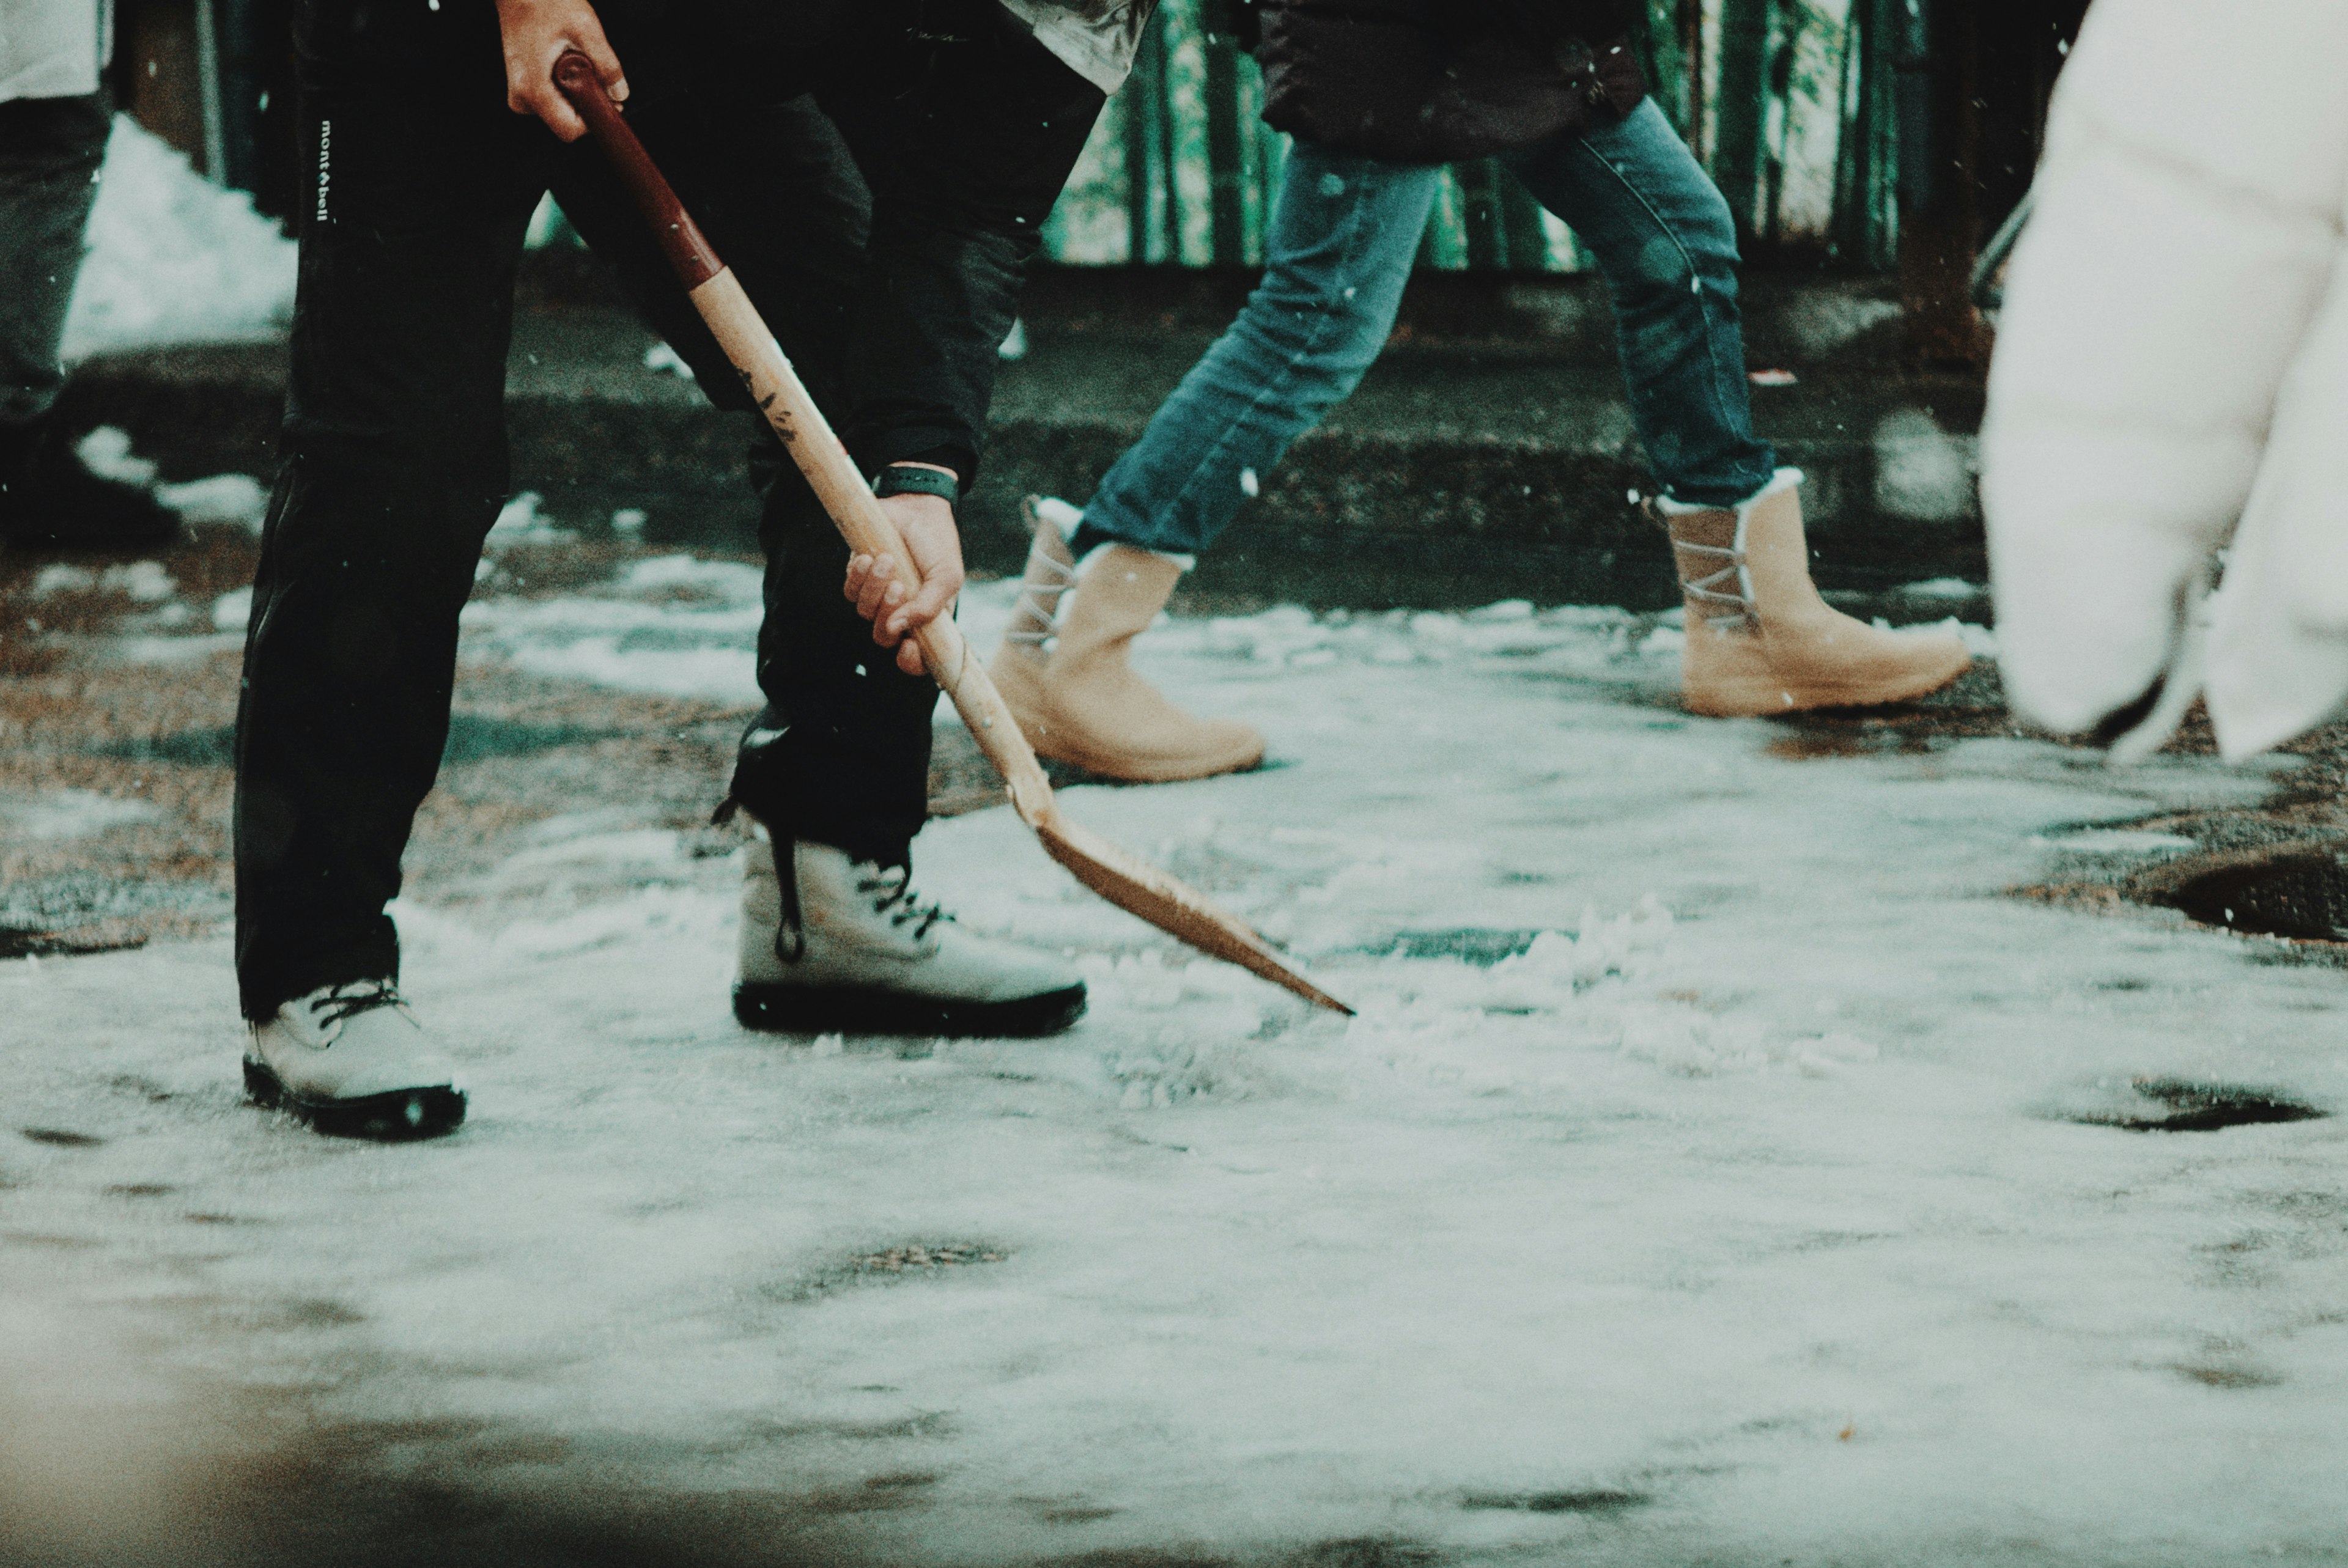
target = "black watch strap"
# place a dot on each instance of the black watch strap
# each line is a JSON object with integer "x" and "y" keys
{"x": 898, "y": 479}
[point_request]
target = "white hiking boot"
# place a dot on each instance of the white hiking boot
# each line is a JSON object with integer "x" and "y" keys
{"x": 351, "y": 1061}
{"x": 860, "y": 953}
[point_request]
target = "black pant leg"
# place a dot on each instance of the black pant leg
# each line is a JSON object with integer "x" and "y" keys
{"x": 841, "y": 753}
{"x": 392, "y": 472}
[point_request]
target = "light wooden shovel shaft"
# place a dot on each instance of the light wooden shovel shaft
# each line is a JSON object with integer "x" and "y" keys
{"x": 1122, "y": 878}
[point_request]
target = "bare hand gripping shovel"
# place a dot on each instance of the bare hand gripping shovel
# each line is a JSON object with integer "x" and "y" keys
{"x": 1123, "y": 879}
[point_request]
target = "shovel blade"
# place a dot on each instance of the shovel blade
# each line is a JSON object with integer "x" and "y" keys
{"x": 1172, "y": 904}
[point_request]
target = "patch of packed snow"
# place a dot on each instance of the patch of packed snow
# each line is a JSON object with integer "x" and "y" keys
{"x": 1825, "y": 322}
{"x": 166, "y": 650}
{"x": 238, "y": 498}
{"x": 142, "y": 582}
{"x": 63, "y": 579}
{"x": 67, "y": 814}
{"x": 523, "y": 521}
{"x": 2120, "y": 841}
{"x": 687, "y": 629}
{"x": 1571, "y": 636}
{"x": 232, "y": 612}
{"x": 660, "y": 357}
{"x": 1923, "y": 472}
{"x": 731, "y": 583}
{"x": 1945, "y": 588}
{"x": 106, "y": 453}
{"x": 1980, "y": 641}
{"x": 174, "y": 259}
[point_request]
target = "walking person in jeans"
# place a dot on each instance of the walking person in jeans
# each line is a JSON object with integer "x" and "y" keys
{"x": 876, "y": 175}
{"x": 1378, "y": 95}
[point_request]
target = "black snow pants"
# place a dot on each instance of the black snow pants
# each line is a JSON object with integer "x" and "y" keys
{"x": 394, "y": 460}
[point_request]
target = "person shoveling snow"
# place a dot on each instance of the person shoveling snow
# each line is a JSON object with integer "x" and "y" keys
{"x": 887, "y": 258}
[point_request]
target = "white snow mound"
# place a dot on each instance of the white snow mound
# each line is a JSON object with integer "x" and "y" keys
{"x": 174, "y": 259}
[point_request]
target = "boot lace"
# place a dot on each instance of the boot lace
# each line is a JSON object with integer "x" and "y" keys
{"x": 1736, "y": 606}
{"x": 1035, "y": 622}
{"x": 890, "y": 888}
{"x": 345, "y": 1002}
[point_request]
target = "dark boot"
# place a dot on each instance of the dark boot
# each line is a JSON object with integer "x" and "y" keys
{"x": 50, "y": 500}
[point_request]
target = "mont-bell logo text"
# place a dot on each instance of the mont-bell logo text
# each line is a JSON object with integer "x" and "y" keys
{"x": 326, "y": 164}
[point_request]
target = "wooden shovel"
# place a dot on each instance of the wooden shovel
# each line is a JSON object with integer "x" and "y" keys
{"x": 1122, "y": 878}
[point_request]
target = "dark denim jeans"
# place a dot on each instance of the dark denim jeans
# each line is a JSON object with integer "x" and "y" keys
{"x": 50, "y": 151}
{"x": 1343, "y": 235}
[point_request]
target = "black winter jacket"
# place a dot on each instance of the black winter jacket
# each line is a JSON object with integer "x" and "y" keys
{"x": 1430, "y": 81}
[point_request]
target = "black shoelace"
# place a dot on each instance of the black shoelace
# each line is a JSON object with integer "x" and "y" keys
{"x": 896, "y": 898}
{"x": 893, "y": 884}
{"x": 345, "y": 1002}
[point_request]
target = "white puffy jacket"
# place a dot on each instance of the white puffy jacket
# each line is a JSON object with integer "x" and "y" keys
{"x": 2172, "y": 371}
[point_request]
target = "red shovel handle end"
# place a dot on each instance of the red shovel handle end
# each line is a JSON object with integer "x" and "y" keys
{"x": 574, "y": 73}
{"x": 687, "y": 249}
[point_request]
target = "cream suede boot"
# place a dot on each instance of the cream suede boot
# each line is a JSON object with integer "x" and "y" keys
{"x": 1759, "y": 638}
{"x": 1061, "y": 666}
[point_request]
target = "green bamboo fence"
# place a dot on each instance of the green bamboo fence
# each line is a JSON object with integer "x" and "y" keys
{"x": 1787, "y": 102}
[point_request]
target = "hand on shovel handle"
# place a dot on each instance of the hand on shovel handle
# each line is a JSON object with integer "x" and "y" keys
{"x": 900, "y": 597}
{"x": 1123, "y": 879}
{"x": 751, "y": 349}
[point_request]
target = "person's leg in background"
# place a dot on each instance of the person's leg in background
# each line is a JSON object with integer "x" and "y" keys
{"x": 1338, "y": 252}
{"x": 1344, "y": 234}
{"x": 51, "y": 150}
{"x": 393, "y": 470}
{"x": 1665, "y": 243}
{"x": 1759, "y": 638}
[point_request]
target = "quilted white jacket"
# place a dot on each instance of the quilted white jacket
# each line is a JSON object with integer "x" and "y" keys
{"x": 2172, "y": 373}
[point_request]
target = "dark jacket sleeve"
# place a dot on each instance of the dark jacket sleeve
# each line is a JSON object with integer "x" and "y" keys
{"x": 965, "y": 142}
{"x": 1432, "y": 81}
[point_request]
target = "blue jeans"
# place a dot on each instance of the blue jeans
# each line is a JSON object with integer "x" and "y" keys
{"x": 1342, "y": 238}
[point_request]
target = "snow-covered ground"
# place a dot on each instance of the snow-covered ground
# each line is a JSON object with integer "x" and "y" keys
{"x": 1741, "y": 1219}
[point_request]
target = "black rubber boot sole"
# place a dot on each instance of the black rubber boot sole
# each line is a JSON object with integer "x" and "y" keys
{"x": 400, "y": 1117}
{"x": 856, "y": 1009}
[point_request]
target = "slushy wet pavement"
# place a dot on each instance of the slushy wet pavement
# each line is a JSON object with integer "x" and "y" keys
{"x": 1747, "y": 1124}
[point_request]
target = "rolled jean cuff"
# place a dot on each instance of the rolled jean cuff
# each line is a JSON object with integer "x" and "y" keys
{"x": 1088, "y": 541}
{"x": 1779, "y": 479}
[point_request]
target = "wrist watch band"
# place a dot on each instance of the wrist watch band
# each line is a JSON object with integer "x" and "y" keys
{"x": 898, "y": 479}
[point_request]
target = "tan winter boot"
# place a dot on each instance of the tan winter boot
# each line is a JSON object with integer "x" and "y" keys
{"x": 1759, "y": 638}
{"x": 1064, "y": 672}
